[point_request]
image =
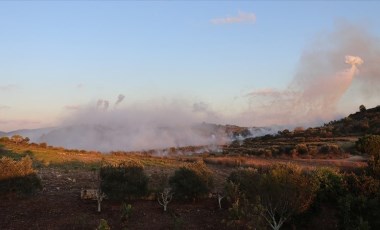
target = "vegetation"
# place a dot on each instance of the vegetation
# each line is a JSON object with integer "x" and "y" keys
{"x": 279, "y": 192}
{"x": 18, "y": 177}
{"x": 126, "y": 180}
{"x": 191, "y": 181}
{"x": 260, "y": 193}
{"x": 370, "y": 144}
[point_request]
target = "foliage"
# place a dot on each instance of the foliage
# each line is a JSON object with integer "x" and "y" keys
{"x": 370, "y": 144}
{"x": 281, "y": 192}
{"x": 362, "y": 108}
{"x": 126, "y": 180}
{"x": 103, "y": 225}
{"x": 242, "y": 212}
{"x": 126, "y": 211}
{"x": 191, "y": 182}
{"x": 18, "y": 176}
{"x": 330, "y": 185}
{"x": 246, "y": 180}
{"x": 359, "y": 208}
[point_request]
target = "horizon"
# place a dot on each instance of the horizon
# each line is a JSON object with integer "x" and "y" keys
{"x": 252, "y": 64}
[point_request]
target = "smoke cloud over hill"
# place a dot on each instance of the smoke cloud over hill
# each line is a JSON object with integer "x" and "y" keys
{"x": 138, "y": 127}
{"x": 334, "y": 63}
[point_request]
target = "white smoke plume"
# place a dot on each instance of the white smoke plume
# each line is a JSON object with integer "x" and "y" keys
{"x": 138, "y": 127}
{"x": 324, "y": 87}
{"x": 354, "y": 60}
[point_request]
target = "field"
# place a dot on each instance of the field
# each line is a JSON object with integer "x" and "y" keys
{"x": 65, "y": 172}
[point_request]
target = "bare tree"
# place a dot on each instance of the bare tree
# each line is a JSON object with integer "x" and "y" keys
{"x": 220, "y": 196}
{"x": 165, "y": 198}
{"x": 99, "y": 197}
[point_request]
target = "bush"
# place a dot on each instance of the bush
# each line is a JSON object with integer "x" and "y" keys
{"x": 359, "y": 205}
{"x": 279, "y": 192}
{"x": 127, "y": 180}
{"x": 330, "y": 185}
{"x": 302, "y": 149}
{"x": 191, "y": 182}
{"x": 330, "y": 148}
{"x": 370, "y": 144}
{"x": 245, "y": 179}
{"x": 18, "y": 177}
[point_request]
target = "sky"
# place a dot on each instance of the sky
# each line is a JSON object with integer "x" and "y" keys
{"x": 218, "y": 57}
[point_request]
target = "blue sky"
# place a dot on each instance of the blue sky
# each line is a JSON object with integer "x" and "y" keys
{"x": 65, "y": 54}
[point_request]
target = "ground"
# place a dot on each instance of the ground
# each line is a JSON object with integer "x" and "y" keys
{"x": 64, "y": 173}
{"x": 58, "y": 206}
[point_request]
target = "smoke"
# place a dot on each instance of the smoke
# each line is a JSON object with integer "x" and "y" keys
{"x": 120, "y": 98}
{"x": 336, "y": 73}
{"x": 102, "y": 104}
{"x": 354, "y": 61}
{"x": 136, "y": 127}
{"x": 324, "y": 87}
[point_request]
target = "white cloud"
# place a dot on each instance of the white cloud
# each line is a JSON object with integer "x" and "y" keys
{"x": 241, "y": 17}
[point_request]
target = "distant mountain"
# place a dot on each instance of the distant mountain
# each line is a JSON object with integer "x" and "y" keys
{"x": 33, "y": 134}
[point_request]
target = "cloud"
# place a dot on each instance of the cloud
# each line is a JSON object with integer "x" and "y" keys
{"x": 241, "y": 17}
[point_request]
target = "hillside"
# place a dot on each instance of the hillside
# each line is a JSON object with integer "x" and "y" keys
{"x": 336, "y": 137}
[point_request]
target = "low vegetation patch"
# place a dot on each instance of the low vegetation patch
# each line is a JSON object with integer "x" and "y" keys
{"x": 18, "y": 177}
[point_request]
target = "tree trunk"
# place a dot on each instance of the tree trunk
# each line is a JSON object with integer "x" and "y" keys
{"x": 99, "y": 207}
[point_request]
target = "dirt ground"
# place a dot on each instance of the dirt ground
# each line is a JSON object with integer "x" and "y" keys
{"x": 58, "y": 206}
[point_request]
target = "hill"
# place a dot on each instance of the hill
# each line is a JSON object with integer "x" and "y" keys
{"x": 336, "y": 137}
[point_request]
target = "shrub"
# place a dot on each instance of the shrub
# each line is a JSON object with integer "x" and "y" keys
{"x": 245, "y": 179}
{"x": 126, "y": 180}
{"x": 359, "y": 206}
{"x": 280, "y": 192}
{"x": 302, "y": 149}
{"x": 191, "y": 181}
{"x": 18, "y": 177}
{"x": 103, "y": 225}
{"x": 330, "y": 148}
{"x": 330, "y": 185}
{"x": 370, "y": 144}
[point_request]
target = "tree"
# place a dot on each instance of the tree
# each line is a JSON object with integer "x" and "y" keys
{"x": 17, "y": 139}
{"x": 370, "y": 144}
{"x": 362, "y": 108}
{"x": 125, "y": 180}
{"x": 191, "y": 181}
{"x": 165, "y": 198}
{"x": 281, "y": 192}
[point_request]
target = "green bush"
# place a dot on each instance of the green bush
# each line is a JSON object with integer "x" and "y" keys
{"x": 278, "y": 193}
{"x": 246, "y": 180}
{"x": 359, "y": 206}
{"x": 127, "y": 180}
{"x": 330, "y": 184}
{"x": 18, "y": 177}
{"x": 191, "y": 182}
{"x": 370, "y": 144}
